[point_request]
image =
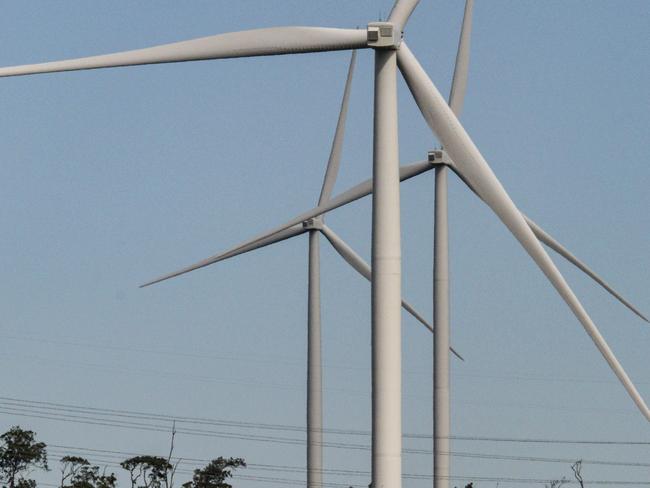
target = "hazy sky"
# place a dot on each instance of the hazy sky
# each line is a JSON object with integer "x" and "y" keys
{"x": 112, "y": 177}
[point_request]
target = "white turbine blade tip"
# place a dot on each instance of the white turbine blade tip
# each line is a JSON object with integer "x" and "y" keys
{"x": 459, "y": 83}
{"x": 250, "y": 245}
{"x": 551, "y": 242}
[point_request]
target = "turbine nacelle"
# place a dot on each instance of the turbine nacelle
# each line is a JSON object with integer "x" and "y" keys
{"x": 383, "y": 35}
{"x": 315, "y": 223}
{"x": 439, "y": 157}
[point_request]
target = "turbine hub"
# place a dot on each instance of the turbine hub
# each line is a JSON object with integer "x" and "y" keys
{"x": 383, "y": 35}
{"x": 313, "y": 224}
{"x": 438, "y": 157}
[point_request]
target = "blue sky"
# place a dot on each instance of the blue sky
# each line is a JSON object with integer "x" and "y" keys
{"x": 113, "y": 177}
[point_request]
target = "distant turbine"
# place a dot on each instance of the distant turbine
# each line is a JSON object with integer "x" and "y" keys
{"x": 466, "y": 161}
{"x": 441, "y": 304}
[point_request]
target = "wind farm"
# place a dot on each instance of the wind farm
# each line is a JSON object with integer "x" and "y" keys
{"x": 458, "y": 153}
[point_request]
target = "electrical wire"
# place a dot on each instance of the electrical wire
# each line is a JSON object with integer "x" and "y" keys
{"x": 53, "y": 408}
{"x": 68, "y": 450}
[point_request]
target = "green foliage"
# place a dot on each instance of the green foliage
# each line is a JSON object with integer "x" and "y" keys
{"x": 19, "y": 452}
{"x": 149, "y": 471}
{"x": 215, "y": 474}
{"x": 76, "y": 472}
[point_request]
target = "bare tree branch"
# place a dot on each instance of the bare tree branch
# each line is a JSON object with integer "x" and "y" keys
{"x": 576, "y": 468}
{"x": 169, "y": 483}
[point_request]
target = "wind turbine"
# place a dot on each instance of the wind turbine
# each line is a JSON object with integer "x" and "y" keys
{"x": 465, "y": 160}
{"x": 441, "y": 304}
{"x": 314, "y": 227}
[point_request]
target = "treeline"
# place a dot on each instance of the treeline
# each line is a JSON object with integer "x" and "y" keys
{"x": 21, "y": 454}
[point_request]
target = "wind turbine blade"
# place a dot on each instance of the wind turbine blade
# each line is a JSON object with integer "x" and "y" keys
{"x": 408, "y": 171}
{"x": 337, "y": 144}
{"x": 363, "y": 268}
{"x": 459, "y": 83}
{"x": 456, "y": 99}
{"x": 365, "y": 188}
{"x": 470, "y": 163}
{"x": 257, "y": 42}
{"x": 352, "y": 194}
{"x": 552, "y": 243}
{"x": 547, "y": 239}
{"x": 354, "y": 260}
{"x": 356, "y": 192}
{"x": 262, "y": 241}
{"x": 401, "y": 12}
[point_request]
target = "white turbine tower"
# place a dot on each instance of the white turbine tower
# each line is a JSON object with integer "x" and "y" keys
{"x": 441, "y": 306}
{"x": 466, "y": 160}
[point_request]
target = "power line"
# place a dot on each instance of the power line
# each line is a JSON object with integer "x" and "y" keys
{"x": 67, "y": 450}
{"x": 146, "y": 427}
{"x": 53, "y": 408}
{"x": 459, "y": 454}
{"x": 502, "y": 479}
{"x": 156, "y": 416}
{"x": 228, "y": 435}
{"x": 53, "y": 411}
{"x": 477, "y": 455}
{"x": 549, "y": 441}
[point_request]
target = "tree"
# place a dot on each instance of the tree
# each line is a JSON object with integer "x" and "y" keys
{"x": 19, "y": 453}
{"x": 215, "y": 474}
{"x": 150, "y": 471}
{"x": 76, "y": 472}
{"x": 70, "y": 467}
